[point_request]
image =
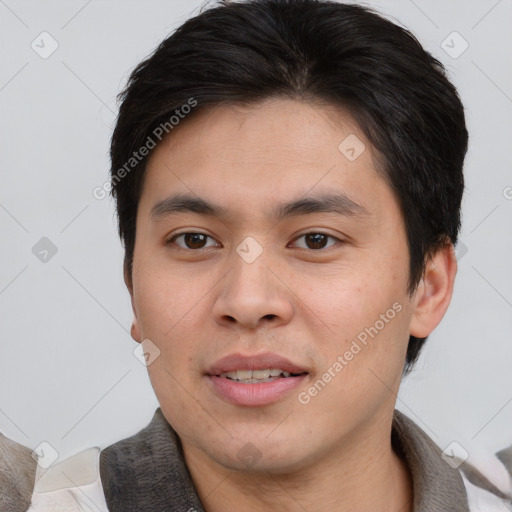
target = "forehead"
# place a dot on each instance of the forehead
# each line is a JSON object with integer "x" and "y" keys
{"x": 284, "y": 128}
{"x": 264, "y": 153}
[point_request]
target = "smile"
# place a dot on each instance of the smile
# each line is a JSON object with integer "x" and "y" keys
{"x": 254, "y": 380}
{"x": 256, "y": 376}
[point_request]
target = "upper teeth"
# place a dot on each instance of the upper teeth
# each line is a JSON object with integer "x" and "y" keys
{"x": 255, "y": 374}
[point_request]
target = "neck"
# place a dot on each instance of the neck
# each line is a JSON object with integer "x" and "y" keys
{"x": 362, "y": 474}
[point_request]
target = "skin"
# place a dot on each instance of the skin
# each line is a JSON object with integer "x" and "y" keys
{"x": 307, "y": 304}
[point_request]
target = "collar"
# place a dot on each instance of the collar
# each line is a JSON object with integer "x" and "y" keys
{"x": 147, "y": 472}
{"x": 436, "y": 485}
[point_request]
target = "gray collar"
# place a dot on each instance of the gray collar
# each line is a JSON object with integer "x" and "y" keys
{"x": 147, "y": 472}
{"x": 436, "y": 485}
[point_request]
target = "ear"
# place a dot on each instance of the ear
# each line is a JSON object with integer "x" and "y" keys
{"x": 434, "y": 292}
{"x": 135, "y": 330}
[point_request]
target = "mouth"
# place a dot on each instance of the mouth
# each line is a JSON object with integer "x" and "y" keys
{"x": 255, "y": 380}
{"x": 258, "y": 376}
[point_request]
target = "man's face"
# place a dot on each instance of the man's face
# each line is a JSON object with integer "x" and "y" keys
{"x": 317, "y": 288}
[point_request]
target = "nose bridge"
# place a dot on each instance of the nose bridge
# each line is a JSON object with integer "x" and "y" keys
{"x": 250, "y": 291}
{"x": 249, "y": 277}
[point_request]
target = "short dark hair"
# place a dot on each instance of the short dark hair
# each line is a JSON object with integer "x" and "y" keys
{"x": 344, "y": 55}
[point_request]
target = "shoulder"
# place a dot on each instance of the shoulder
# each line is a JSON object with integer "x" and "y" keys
{"x": 444, "y": 480}
{"x": 482, "y": 500}
{"x": 148, "y": 472}
{"x": 142, "y": 472}
{"x": 17, "y": 475}
{"x": 71, "y": 485}
{"x": 489, "y": 486}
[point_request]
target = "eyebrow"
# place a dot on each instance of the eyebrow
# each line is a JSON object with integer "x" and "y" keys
{"x": 338, "y": 203}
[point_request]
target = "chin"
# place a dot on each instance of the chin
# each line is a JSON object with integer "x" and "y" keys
{"x": 259, "y": 455}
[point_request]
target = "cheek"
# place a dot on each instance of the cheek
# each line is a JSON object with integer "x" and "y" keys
{"x": 169, "y": 319}
{"x": 362, "y": 317}
{"x": 166, "y": 301}
{"x": 347, "y": 300}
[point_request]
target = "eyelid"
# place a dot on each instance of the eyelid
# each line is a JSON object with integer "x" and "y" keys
{"x": 317, "y": 232}
{"x": 173, "y": 237}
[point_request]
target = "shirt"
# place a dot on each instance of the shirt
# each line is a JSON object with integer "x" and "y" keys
{"x": 147, "y": 473}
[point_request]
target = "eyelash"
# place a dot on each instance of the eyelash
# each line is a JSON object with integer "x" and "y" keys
{"x": 176, "y": 236}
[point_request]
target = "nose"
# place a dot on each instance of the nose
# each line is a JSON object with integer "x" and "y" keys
{"x": 253, "y": 295}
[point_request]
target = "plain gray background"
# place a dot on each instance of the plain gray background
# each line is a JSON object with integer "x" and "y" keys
{"x": 68, "y": 375}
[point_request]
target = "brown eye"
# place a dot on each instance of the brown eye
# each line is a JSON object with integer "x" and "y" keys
{"x": 193, "y": 240}
{"x": 315, "y": 241}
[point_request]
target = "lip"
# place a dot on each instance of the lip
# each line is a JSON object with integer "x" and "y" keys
{"x": 254, "y": 394}
{"x": 238, "y": 361}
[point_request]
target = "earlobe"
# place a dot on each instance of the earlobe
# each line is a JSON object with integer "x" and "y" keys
{"x": 135, "y": 332}
{"x": 433, "y": 294}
